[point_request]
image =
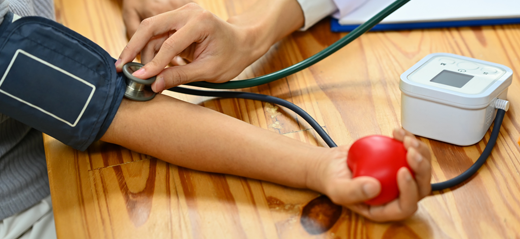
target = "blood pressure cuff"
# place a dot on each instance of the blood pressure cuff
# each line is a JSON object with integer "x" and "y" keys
{"x": 57, "y": 81}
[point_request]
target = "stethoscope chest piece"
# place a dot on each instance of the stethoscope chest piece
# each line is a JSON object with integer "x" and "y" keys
{"x": 137, "y": 89}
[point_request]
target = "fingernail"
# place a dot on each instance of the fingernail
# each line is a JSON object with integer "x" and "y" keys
{"x": 370, "y": 189}
{"x": 139, "y": 72}
{"x": 158, "y": 85}
{"x": 118, "y": 62}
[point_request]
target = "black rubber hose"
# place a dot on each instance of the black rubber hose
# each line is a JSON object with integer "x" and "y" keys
{"x": 480, "y": 161}
{"x": 271, "y": 99}
{"x": 265, "y": 98}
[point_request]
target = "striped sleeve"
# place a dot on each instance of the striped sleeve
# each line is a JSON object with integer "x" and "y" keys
{"x": 4, "y": 5}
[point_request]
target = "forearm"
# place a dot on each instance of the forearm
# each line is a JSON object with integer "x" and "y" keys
{"x": 199, "y": 138}
{"x": 268, "y": 21}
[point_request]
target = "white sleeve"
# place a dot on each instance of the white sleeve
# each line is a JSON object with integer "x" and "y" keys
{"x": 347, "y": 6}
{"x": 315, "y": 10}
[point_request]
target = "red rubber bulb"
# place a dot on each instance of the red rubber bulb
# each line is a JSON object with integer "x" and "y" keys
{"x": 379, "y": 157}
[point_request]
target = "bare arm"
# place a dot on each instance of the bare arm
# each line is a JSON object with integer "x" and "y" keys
{"x": 202, "y": 139}
{"x": 195, "y": 137}
{"x": 199, "y": 138}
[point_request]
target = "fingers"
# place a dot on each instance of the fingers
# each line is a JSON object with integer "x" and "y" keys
{"x": 352, "y": 191}
{"x": 148, "y": 53}
{"x": 410, "y": 190}
{"x": 408, "y": 193}
{"x": 422, "y": 148}
{"x": 178, "y": 61}
{"x": 178, "y": 75}
{"x": 154, "y": 26}
{"x": 150, "y": 50}
{"x": 422, "y": 169}
{"x": 399, "y": 209}
{"x": 399, "y": 134}
{"x": 170, "y": 48}
{"x": 418, "y": 158}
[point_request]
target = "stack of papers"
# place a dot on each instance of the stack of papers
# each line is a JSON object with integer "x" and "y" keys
{"x": 434, "y": 14}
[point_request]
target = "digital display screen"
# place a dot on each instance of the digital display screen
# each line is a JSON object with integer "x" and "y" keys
{"x": 451, "y": 78}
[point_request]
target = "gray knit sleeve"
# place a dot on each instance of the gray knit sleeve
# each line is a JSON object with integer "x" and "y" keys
{"x": 4, "y": 5}
{"x": 23, "y": 171}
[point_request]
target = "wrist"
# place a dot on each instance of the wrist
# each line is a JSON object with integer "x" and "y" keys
{"x": 253, "y": 41}
{"x": 318, "y": 170}
{"x": 325, "y": 172}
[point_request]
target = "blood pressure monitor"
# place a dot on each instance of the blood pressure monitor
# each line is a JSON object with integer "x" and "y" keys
{"x": 452, "y": 98}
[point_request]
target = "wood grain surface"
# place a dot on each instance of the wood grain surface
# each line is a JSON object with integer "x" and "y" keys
{"x": 111, "y": 192}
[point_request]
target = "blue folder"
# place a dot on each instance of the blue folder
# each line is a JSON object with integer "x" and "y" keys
{"x": 336, "y": 27}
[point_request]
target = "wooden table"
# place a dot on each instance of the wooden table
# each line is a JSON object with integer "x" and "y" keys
{"x": 111, "y": 192}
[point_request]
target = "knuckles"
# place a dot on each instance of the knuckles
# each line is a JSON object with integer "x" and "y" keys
{"x": 191, "y": 6}
{"x": 147, "y": 23}
{"x": 168, "y": 44}
{"x": 175, "y": 78}
{"x": 205, "y": 15}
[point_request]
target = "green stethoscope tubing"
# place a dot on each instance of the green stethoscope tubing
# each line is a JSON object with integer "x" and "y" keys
{"x": 360, "y": 30}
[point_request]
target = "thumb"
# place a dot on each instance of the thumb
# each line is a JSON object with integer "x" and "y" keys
{"x": 177, "y": 75}
{"x": 353, "y": 191}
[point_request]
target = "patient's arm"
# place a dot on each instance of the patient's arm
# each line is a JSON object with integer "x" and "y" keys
{"x": 199, "y": 138}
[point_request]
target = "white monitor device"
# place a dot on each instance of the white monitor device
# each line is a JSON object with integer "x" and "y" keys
{"x": 451, "y": 98}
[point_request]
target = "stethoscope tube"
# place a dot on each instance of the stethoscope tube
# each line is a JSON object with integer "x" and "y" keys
{"x": 480, "y": 161}
{"x": 360, "y": 30}
{"x": 146, "y": 94}
{"x": 265, "y": 98}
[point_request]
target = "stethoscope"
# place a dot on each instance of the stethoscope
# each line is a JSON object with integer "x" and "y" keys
{"x": 140, "y": 90}
{"x": 137, "y": 89}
